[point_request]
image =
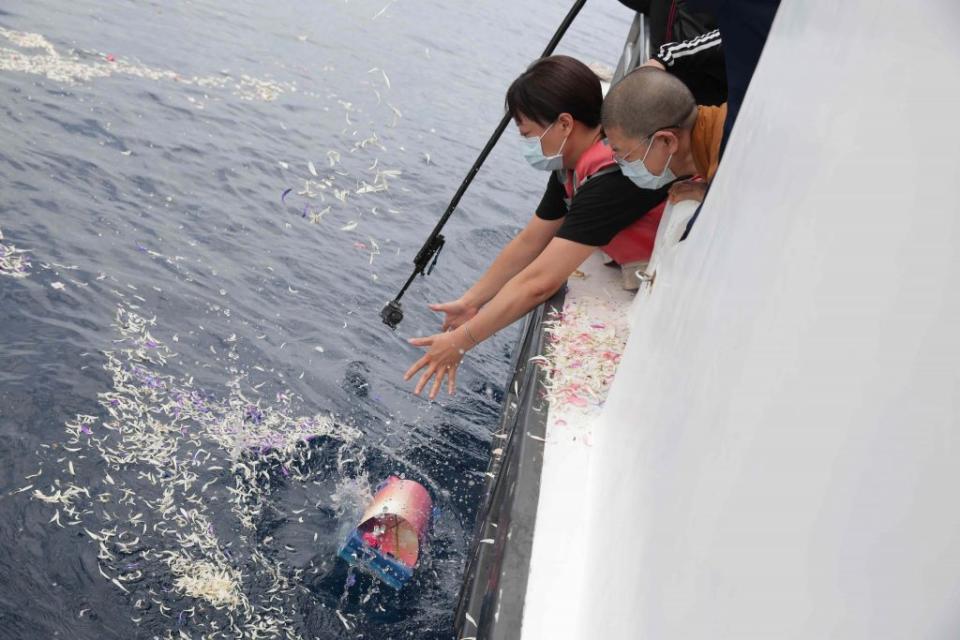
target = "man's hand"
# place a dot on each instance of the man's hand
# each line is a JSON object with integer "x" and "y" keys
{"x": 444, "y": 353}
{"x": 687, "y": 190}
{"x": 457, "y": 313}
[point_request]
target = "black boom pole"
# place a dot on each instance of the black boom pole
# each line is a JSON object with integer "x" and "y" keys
{"x": 392, "y": 314}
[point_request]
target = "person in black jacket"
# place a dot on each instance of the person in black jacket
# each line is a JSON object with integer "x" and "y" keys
{"x": 688, "y": 45}
{"x": 699, "y": 63}
{"x": 672, "y": 20}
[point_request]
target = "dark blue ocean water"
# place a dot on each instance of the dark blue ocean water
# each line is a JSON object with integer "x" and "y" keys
{"x": 144, "y": 149}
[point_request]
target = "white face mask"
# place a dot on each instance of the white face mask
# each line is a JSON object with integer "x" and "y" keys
{"x": 637, "y": 171}
{"x": 533, "y": 152}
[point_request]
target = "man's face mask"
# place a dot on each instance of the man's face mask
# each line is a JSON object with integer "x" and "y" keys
{"x": 641, "y": 176}
{"x": 533, "y": 152}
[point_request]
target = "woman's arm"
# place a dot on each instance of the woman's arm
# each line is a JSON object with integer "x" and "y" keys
{"x": 530, "y": 287}
{"x": 533, "y": 285}
{"x": 514, "y": 257}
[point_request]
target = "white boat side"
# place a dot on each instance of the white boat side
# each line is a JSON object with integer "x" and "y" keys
{"x": 595, "y": 301}
{"x": 778, "y": 454}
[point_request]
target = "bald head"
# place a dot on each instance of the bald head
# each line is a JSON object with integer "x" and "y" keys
{"x": 647, "y": 100}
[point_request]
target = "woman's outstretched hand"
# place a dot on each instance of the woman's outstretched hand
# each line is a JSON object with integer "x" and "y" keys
{"x": 444, "y": 353}
{"x": 456, "y": 313}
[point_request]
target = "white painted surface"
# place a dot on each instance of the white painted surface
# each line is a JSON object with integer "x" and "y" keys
{"x": 780, "y": 454}
{"x": 559, "y": 531}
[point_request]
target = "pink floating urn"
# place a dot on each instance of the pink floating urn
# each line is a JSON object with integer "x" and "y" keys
{"x": 386, "y": 543}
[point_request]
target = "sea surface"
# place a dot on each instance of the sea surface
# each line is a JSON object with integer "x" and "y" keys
{"x": 214, "y": 200}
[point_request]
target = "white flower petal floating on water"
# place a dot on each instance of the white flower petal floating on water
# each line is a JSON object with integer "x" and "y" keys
{"x": 315, "y": 217}
{"x": 218, "y": 585}
{"x": 366, "y": 187}
{"x": 372, "y": 140}
{"x": 14, "y": 263}
{"x": 180, "y": 462}
{"x": 343, "y": 620}
{"x": 37, "y": 56}
{"x": 313, "y": 169}
{"x": 64, "y": 497}
{"x": 350, "y": 226}
{"x": 374, "y": 250}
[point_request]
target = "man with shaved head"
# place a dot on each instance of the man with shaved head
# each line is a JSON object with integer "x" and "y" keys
{"x": 658, "y": 133}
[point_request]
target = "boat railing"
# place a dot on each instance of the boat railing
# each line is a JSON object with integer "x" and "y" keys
{"x": 491, "y": 600}
{"x": 636, "y": 49}
{"x": 495, "y": 580}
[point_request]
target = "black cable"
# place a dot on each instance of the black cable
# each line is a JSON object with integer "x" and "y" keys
{"x": 392, "y": 313}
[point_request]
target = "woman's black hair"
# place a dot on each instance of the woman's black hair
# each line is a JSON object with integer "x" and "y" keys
{"x": 554, "y": 85}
